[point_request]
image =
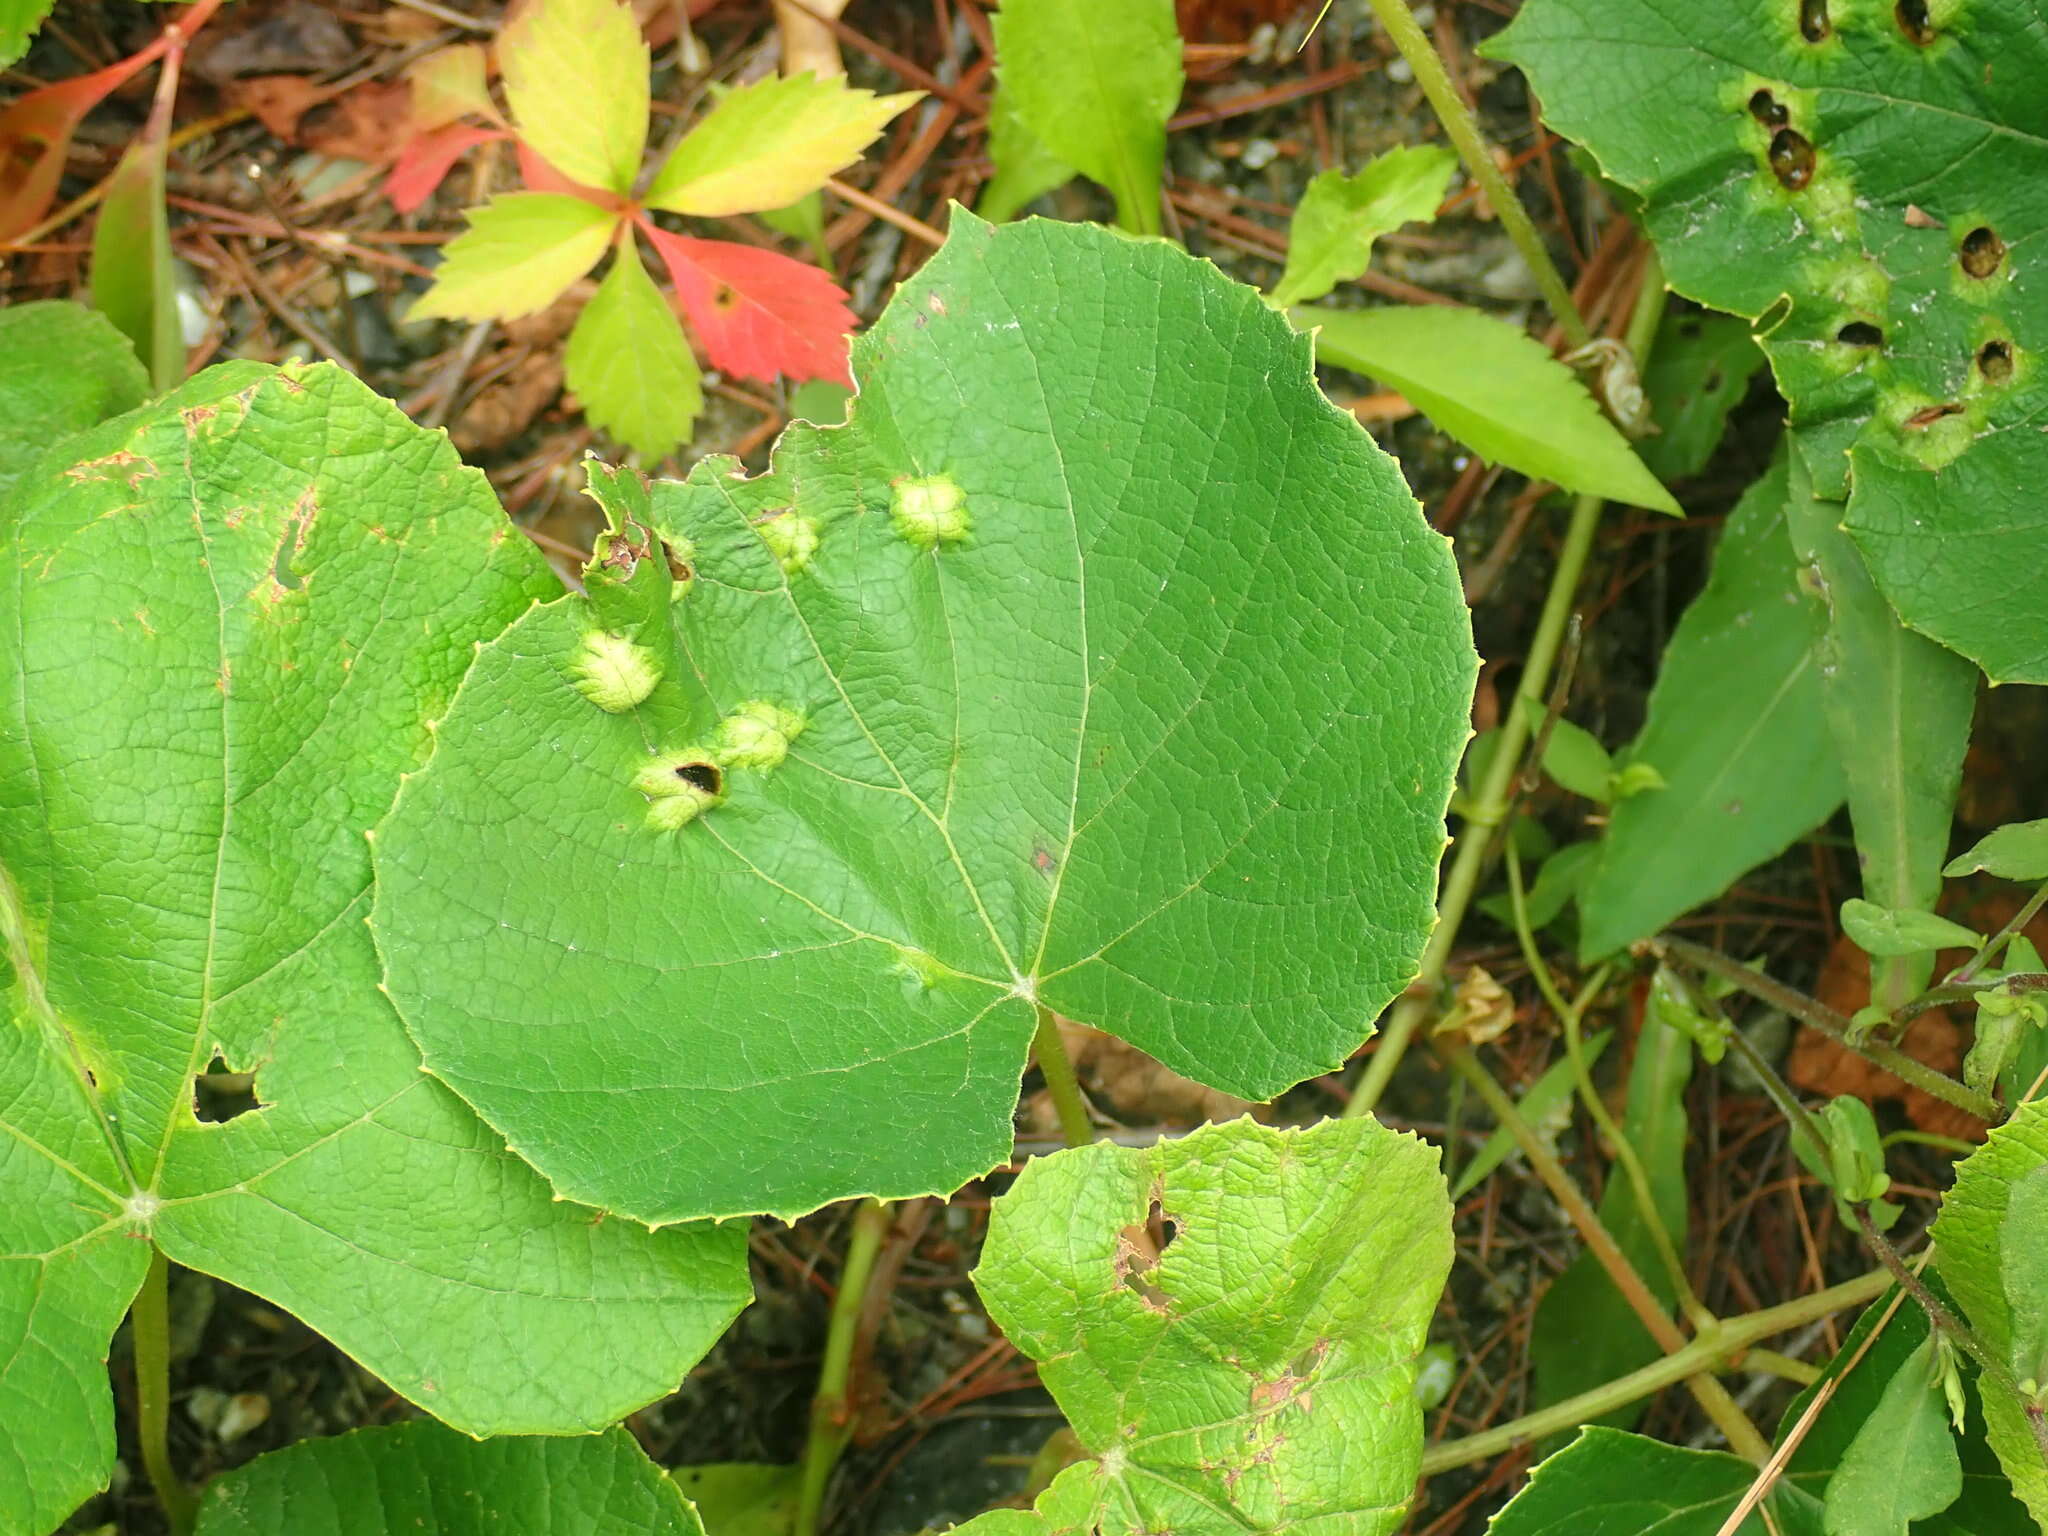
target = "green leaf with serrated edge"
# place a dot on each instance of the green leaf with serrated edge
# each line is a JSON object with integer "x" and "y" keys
{"x": 133, "y": 284}
{"x": 1899, "y": 708}
{"x": 628, "y": 363}
{"x": 575, "y": 75}
{"x": 19, "y": 20}
{"x": 520, "y": 253}
{"x": 1985, "y": 1506}
{"x": 1872, "y": 184}
{"x": 63, "y": 368}
{"x": 1339, "y": 217}
{"x": 1495, "y": 389}
{"x": 767, "y": 144}
{"x": 239, "y": 613}
{"x": 1902, "y": 1466}
{"x": 1882, "y": 931}
{"x": 1584, "y": 1332}
{"x": 1094, "y": 85}
{"x": 421, "y": 1478}
{"x": 1544, "y": 1098}
{"x": 1025, "y": 170}
{"x": 1575, "y": 760}
{"x": 1699, "y": 370}
{"x": 2016, "y": 851}
{"x": 743, "y": 1498}
{"x": 1608, "y": 1482}
{"x": 1055, "y": 743}
{"x": 1257, "y": 1371}
{"x": 1983, "y": 1251}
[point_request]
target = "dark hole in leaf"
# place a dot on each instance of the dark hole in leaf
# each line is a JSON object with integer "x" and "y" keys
{"x": 1927, "y": 416}
{"x": 1138, "y": 1249}
{"x": 1792, "y": 158}
{"x": 1814, "y": 25}
{"x": 704, "y": 776}
{"x": 1994, "y": 361}
{"x": 219, "y": 1095}
{"x": 725, "y": 298}
{"x": 1915, "y": 22}
{"x": 1860, "y": 333}
{"x": 1981, "y": 251}
{"x": 678, "y": 567}
{"x": 1768, "y": 110}
{"x": 1715, "y": 379}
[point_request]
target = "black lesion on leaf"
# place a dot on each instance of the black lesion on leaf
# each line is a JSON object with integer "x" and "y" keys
{"x": 1981, "y": 252}
{"x": 1914, "y": 22}
{"x": 702, "y": 775}
{"x": 1768, "y": 110}
{"x": 1860, "y": 333}
{"x": 1792, "y": 159}
{"x": 1814, "y": 25}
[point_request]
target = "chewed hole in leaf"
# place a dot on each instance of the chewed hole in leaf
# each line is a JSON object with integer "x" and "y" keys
{"x": 1138, "y": 1251}
{"x": 1860, "y": 333}
{"x": 1914, "y": 22}
{"x": 1768, "y": 110}
{"x": 701, "y": 776}
{"x": 1981, "y": 252}
{"x": 1792, "y": 159}
{"x": 1814, "y": 25}
{"x": 1994, "y": 361}
{"x": 219, "y": 1094}
{"x": 1927, "y": 416}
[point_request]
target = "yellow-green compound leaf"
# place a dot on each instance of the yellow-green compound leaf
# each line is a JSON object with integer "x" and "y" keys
{"x": 628, "y": 363}
{"x": 1611, "y": 1483}
{"x": 1330, "y": 240}
{"x": 63, "y": 368}
{"x": 1992, "y": 1238}
{"x": 576, "y": 80}
{"x": 1258, "y": 1371}
{"x": 423, "y": 1480}
{"x": 1127, "y": 678}
{"x": 1094, "y": 85}
{"x": 767, "y": 144}
{"x": 449, "y": 84}
{"x": 1495, "y": 389}
{"x": 240, "y": 613}
{"x": 520, "y": 253}
{"x": 1870, "y": 176}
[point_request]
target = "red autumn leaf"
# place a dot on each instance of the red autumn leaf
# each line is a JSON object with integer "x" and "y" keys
{"x": 539, "y": 176}
{"x": 424, "y": 162}
{"x": 35, "y": 135}
{"x": 758, "y": 314}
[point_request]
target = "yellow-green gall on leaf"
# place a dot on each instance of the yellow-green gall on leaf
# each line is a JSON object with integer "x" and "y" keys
{"x": 680, "y": 786}
{"x": 791, "y": 538}
{"x": 613, "y": 673}
{"x": 929, "y": 511}
{"x": 756, "y": 735}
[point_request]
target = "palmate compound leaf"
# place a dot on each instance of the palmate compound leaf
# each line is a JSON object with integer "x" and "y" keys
{"x": 1256, "y": 1372}
{"x": 239, "y": 613}
{"x": 1129, "y": 679}
{"x": 1874, "y": 178}
{"x": 419, "y": 1479}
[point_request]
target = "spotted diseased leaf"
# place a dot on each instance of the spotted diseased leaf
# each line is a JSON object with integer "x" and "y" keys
{"x": 425, "y": 162}
{"x": 520, "y": 253}
{"x": 767, "y": 144}
{"x": 757, "y": 313}
{"x": 576, "y": 80}
{"x": 984, "y": 700}
{"x": 1867, "y": 180}
{"x": 63, "y": 368}
{"x": 1256, "y": 1370}
{"x": 237, "y": 615}
{"x": 628, "y": 363}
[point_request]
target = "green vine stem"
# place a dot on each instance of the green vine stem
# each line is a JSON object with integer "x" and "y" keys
{"x": 1435, "y": 80}
{"x": 1813, "y": 1012}
{"x": 1728, "y": 1340}
{"x": 832, "y": 1407}
{"x": 1050, "y": 1052}
{"x": 1713, "y": 1398}
{"x": 1968, "y": 970}
{"x": 150, "y": 1331}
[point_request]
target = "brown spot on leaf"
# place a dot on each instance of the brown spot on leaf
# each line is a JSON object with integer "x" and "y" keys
{"x": 1814, "y": 25}
{"x": 1981, "y": 251}
{"x": 1792, "y": 159}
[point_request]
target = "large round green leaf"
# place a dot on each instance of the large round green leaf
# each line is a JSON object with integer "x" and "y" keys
{"x": 1870, "y": 179}
{"x": 1130, "y": 683}
{"x": 231, "y": 622}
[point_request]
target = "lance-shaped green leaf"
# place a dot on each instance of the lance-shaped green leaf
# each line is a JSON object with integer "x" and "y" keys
{"x": 1992, "y": 1237}
{"x": 2015, "y": 851}
{"x": 1736, "y": 729}
{"x": 1330, "y": 239}
{"x": 576, "y": 81}
{"x": 993, "y": 698}
{"x": 63, "y": 368}
{"x": 1093, "y": 85}
{"x": 1025, "y": 169}
{"x": 133, "y": 283}
{"x": 520, "y": 253}
{"x": 1612, "y": 1483}
{"x": 1256, "y": 1370}
{"x": 1869, "y": 177}
{"x": 240, "y": 614}
{"x": 1495, "y": 389}
{"x": 1902, "y": 1467}
{"x": 424, "y": 1480}
{"x": 628, "y": 362}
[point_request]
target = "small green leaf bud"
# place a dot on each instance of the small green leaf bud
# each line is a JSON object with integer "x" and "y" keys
{"x": 791, "y": 538}
{"x": 929, "y": 511}
{"x": 756, "y": 735}
{"x": 613, "y": 673}
{"x": 680, "y": 786}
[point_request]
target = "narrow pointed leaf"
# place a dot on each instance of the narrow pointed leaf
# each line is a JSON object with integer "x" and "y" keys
{"x": 757, "y": 313}
{"x": 1025, "y": 169}
{"x": 520, "y": 253}
{"x": 765, "y": 145}
{"x": 132, "y": 281}
{"x": 240, "y": 613}
{"x": 1494, "y": 388}
{"x": 1050, "y": 741}
{"x": 63, "y": 368}
{"x": 575, "y": 75}
{"x": 1902, "y": 1467}
{"x": 1339, "y": 217}
{"x": 628, "y": 363}
{"x": 424, "y": 1480}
